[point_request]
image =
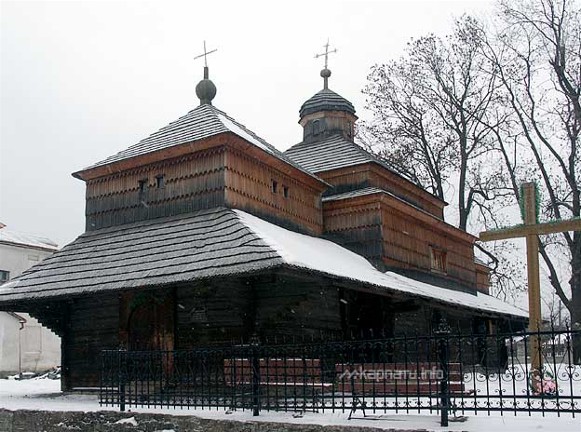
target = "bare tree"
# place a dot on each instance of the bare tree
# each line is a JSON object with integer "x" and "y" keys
{"x": 485, "y": 109}
{"x": 435, "y": 120}
{"x": 429, "y": 108}
{"x": 537, "y": 57}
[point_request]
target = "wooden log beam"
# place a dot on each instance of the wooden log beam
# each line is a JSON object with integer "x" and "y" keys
{"x": 536, "y": 229}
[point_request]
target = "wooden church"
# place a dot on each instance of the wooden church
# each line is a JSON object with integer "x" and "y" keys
{"x": 204, "y": 233}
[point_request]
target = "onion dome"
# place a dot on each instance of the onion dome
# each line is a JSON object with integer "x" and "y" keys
{"x": 206, "y": 90}
{"x": 326, "y": 100}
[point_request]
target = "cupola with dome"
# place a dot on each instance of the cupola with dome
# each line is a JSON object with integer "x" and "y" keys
{"x": 327, "y": 113}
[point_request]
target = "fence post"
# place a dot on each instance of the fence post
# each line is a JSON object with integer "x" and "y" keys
{"x": 255, "y": 361}
{"x": 442, "y": 332}
{"x": 121, "y": 379}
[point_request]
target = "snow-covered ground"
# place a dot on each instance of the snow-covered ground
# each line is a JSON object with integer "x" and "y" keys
{"x": 45, "y": 394}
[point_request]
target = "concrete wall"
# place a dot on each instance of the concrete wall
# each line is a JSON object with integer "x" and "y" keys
{"x": 17, "y": 258}
{"x": 35, "y": 347}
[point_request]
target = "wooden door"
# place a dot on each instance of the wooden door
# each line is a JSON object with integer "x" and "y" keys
{"x": 148, "y": 321}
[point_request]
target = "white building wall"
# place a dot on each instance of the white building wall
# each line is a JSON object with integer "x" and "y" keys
{"x": 34, "y": 348}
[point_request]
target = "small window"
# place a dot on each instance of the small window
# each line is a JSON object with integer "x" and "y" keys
{"x": 285, "y": 191}
{"x": 316, "y": 127}
{"x": 274, "y": 186}
{"x": 4, "y": 276}
{"x": 159, "y": 181}
{"x": 349, "y": 129}
{"x": 438, "y": 260}
{"x": 142, "y": 185}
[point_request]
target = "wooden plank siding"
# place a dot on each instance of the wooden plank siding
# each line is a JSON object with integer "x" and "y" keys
{"x": 356, "y": 227}
{"x": 407, "y": 243}
{"x": 294, "y": 306}
{"x": 190, "y": 183}
{"x": 93, "y": 327}
{"x": 221, "y": 176}
{"x": 406, "y": 235}
{"x": 249, "y": 187}
{"x": 371, "y": 174}
{"x": 482, "y": 278}
{"x": 213, "y": 311}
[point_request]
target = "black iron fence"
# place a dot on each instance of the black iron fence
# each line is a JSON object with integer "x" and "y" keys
{"x": 445, "y": 372}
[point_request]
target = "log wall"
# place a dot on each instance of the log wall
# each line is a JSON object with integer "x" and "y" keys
{"x": 212, "y": 312}
{"x": 298, "y": 307}
{"x": 93, "y": 327}
{"x": 276, "y": 305}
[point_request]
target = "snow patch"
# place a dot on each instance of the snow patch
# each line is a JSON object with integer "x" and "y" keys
{"x": 324, "y": 256}
{"x": 130, "y": 421}
{"x": 233, "y": 127}
{"x": 15, "y": 237}
{"x": 45, "y": 395}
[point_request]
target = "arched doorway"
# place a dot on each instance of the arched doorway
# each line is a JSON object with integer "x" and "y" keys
{"x": 148, "y": 320}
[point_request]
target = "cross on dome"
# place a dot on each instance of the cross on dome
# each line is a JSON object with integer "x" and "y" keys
{"x": 326, "y": 73}
{"x": 205, "y": 55}
{"x": 206, "y": 90}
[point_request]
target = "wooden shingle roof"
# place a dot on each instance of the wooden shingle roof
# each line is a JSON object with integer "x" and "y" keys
{"x": 330, "y": 153}
{"x": 156, "y": 252}
{"x": 326, "y": 100}
{"x": 209, "y": 244}
{"x": 204, "y": 121}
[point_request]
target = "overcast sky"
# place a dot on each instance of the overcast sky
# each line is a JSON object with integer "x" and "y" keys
{"x": 83, "y": 80}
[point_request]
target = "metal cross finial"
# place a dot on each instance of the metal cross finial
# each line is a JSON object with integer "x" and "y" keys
{"x": 326, "y": 53}
{"x": 205, "y": 55}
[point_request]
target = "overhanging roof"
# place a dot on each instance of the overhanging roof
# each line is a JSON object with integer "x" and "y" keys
{"x": 211, "y": 243}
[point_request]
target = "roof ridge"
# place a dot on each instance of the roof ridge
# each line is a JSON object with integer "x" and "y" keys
{"x": 202, "y": 122}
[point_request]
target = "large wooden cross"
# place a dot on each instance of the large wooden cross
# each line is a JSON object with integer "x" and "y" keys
{"x": 531, "y": 230}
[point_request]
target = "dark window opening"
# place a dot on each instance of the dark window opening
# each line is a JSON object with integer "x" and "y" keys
{"x": 316, "y": 127}
{"x": 438, "y": 260}
{"x": 4, "y": 276}
{"x": 142, "y": 185}
{"x": 159, "y": 181}
{"x": 349, "y": 129}
{"x": 285, "y": 191}
{"x": 274, "y": 186}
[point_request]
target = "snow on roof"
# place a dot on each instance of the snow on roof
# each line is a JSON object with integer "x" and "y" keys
{"x": 205, "y": 244}
{"x": 244, "y": 133}
{"x": 324, "y": 256}
{"x": 9, "y": 236}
